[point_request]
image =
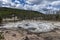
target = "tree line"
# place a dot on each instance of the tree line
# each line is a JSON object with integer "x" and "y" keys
{"x": 27, "y": 14}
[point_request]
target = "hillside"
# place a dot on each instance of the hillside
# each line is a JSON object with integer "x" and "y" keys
{"x": 8, "y": 12}
{"x": 27, "y": 14}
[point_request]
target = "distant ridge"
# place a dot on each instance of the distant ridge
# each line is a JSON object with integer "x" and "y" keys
{"x": 27, "y": 14}
{"x": 24, "y": 14}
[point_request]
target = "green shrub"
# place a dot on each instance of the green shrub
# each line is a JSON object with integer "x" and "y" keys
{"x": 1, "y": 36}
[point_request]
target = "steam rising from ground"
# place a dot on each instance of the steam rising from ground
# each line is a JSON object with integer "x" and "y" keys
{"x": 33, "y": 26}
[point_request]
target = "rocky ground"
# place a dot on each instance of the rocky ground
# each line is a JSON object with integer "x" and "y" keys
{"x": 9, "y": 34}
{"x": 22, "y": 34}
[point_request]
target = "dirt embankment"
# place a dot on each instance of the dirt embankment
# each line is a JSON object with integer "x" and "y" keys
{"x": 25, "y": 35}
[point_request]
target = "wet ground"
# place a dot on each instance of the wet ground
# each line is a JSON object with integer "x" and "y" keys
{"x": 10, "y": 31}
{"x": 33, "y": 25}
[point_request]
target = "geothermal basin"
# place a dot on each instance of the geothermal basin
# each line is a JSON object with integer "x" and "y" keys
{"x": 33, "y": 25}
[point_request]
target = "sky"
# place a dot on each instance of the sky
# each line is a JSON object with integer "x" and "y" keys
{"x": 36, "y": 5}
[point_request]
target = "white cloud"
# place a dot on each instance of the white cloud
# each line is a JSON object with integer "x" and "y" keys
{"x": 6, "y": 3}
{"x": 38, "y": 5}
{"x": 33, "y": 1}
{"x": 16, "y": 1}
{"x": 0, "y": 3}
{"x": 51, "y": 0}
{"x": 9, "y": 3}
{"x": 55, "y": 3}
{"x": 20, "y": 6}
{"x": 28, "y": 7}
